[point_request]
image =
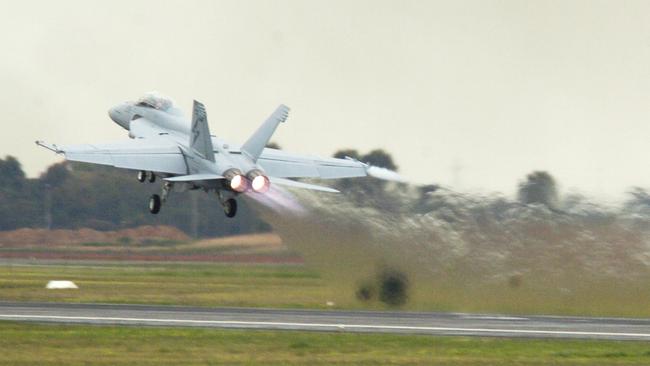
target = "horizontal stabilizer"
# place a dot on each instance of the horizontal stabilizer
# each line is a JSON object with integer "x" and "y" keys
{"x": 296, "y": 184}
{"x": 194, "y": 178}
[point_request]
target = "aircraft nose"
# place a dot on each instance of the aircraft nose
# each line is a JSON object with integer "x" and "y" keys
{"x": 114, "y": 114}
{"x": 119, "y": 116}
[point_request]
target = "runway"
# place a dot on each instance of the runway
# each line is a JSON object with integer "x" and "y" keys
{"x": 447, "y": 324}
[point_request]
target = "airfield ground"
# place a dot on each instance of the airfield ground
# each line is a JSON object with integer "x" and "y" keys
{"x": 290, "y": 286}
{"x": 172, "y": 284}
{"x": 31, "y": 344}
{"x": 273, "y": 283}
{"x": 136, "y": 266}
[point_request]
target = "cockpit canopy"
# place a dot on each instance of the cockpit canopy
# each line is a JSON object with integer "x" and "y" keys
{"x": 155, "y": 101}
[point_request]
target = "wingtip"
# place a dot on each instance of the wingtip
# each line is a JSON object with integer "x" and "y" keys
{"x": 384, "y": 174}
{"x": 50, "y": 147}
{"x": 283, "y": 110}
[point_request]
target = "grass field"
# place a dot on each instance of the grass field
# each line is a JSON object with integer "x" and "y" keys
{"x": 33, "y": 344}
{"x": 178, "y": 284}
{"x": 297, "y": 286}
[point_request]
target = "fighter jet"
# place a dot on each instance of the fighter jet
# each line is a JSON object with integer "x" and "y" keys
{"x": 165, "y": 145}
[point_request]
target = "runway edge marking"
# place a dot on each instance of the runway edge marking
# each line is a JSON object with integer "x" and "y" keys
{"x": 324, "y": 325}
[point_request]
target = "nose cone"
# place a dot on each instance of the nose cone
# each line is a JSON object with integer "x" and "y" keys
{"x": 119, "y": 116}
{"x": 113, "y": 113}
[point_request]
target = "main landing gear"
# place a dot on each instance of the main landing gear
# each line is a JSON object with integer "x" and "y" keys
{"x": 143, "y": 176}
{"x": 228, "y": 202}
{"x": 154, "y": 204}
{"x": 155, "y": 201}
{"x": 230, "y": 207}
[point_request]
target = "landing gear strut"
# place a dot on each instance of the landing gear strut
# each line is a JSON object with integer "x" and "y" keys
{"x": 156, "y": 201}
{"x": 167, "y": 187}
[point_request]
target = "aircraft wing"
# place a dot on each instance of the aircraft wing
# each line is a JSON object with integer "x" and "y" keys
{"x": 137, "y": 154}
{"x": 280, "y": 164}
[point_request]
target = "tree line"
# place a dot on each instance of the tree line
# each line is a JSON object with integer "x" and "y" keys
{"x": 71, "y": 195}
{"x": 75, "y": 195}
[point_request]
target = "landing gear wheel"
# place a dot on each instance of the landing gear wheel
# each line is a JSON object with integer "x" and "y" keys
{"x": 154, "y": 204}
{"x": 142, "y": 176}
{"x": 230, "y": 207}
{"x": 152, "y": 177}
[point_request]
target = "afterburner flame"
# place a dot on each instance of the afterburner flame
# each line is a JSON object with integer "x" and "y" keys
{"x": 239, "y": 183}
{"x": 261, "y": 184}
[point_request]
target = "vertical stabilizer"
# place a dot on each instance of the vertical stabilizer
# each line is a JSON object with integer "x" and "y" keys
{"x": 256, "y": 143}
{"x": 200, "y": 140}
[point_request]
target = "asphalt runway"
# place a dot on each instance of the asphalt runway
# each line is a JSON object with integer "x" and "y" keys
{"x": 448, "y": 324}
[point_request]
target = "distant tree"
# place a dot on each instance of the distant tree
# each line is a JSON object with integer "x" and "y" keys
{"x": 638, "y": 197}
{"x": 20, "y": 199}
{"x": 11, "y": 173}
{"x": 85, "y": 195}
{"x": 539, "y": 187}
{"x": 56, "y": 174}
{"x": 639, "y": 201}
{"x": 380, "y": 158}
{"x": 369, "y": 190}
{"x": 344, "y": 153}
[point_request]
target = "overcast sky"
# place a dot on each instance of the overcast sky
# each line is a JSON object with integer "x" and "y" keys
{"x": 500, "y": 88}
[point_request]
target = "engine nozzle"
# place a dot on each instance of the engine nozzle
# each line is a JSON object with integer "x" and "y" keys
{"x": 237, "y": 180}
{"x": 259, "y": 182}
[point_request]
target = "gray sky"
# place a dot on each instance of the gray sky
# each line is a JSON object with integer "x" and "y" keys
{"x": 503, "y": 87}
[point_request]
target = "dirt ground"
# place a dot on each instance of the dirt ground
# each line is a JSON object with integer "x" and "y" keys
{"x": 43, "y": 237}
{"x": 144, "y": 243}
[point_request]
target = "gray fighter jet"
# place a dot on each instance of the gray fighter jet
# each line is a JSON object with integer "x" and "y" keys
{"x": 165, "y": 144}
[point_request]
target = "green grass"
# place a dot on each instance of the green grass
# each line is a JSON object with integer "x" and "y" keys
{"x": 302, "y": 287}
{"x": 181, "y": 284}
{"x": 33, "y": 344}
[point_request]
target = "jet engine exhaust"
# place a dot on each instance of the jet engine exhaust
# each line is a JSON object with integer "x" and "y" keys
{"x": 259, "y": 182}
{"x": 238, "y": 182}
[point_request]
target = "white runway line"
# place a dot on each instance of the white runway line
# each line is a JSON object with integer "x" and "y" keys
{"x": 324, "y": 325}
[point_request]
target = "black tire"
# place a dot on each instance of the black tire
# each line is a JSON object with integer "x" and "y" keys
{"x": 152, "y": 177}
{"x": 142, "y": 176}
{"x": 230, "y": 207}
{"x": 154, "y": 204}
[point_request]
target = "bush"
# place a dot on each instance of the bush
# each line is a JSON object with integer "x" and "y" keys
{"x": 393, "y": 287}
{"x": 366, "y": 292}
